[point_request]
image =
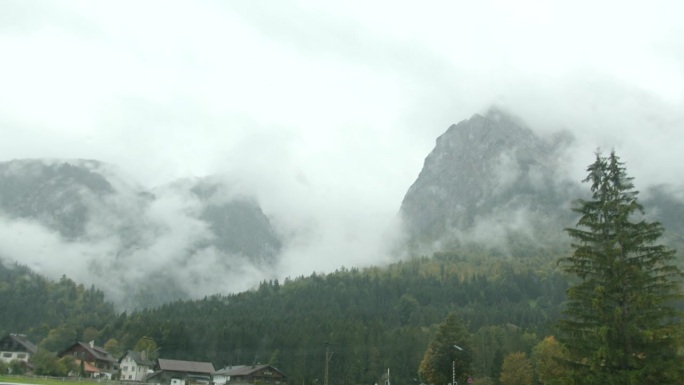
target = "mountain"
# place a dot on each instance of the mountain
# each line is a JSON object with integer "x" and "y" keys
{"x": 143, "y": 247}
{"x": 491, "y": 182}
{"x": 235, "y": 220}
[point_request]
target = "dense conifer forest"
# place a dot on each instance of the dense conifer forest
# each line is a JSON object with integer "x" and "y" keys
{"x": 374, "y": 318}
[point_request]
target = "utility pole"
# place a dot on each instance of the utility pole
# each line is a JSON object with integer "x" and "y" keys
{"x": 328, "y": 355}
{"x": 453, "y": 366}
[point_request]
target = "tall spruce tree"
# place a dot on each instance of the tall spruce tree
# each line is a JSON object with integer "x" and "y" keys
{"x": 620, "y": 324}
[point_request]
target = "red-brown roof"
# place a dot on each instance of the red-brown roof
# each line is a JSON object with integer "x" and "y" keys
{"x": 87, "y": 367}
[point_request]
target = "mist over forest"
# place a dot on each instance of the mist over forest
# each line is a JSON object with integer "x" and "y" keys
{"x": 241, "y": 181}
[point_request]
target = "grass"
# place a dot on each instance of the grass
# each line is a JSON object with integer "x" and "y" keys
{"x": 51, "y": 380}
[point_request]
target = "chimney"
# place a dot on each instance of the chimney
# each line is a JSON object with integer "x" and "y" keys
{"x": 92, "y": 344}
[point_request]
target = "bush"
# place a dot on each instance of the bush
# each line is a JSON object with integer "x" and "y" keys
{"x": 18, "y": 367}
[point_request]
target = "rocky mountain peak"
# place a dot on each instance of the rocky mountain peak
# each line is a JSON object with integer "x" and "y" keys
{"x": 481, "y": 170}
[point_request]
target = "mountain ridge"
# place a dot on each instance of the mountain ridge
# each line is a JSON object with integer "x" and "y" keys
{"x": 492, "y": 181}
{"x": 89, "y": 216}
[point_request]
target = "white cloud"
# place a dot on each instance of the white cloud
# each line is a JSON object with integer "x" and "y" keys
{"x": 327, "y": 110}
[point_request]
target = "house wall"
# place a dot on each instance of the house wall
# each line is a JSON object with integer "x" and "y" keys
{"x": 264, "y": 376}
{"x": 174, "y": 378}
{"x": 11, "y": 349}
{"x": 131, "y": 371}
{"x": 8, "y": 356}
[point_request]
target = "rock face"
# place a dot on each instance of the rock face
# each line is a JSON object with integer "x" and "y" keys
{"x": 237, "y": 222}
{"x": 489, "y": 179}
{"x": 492, "y": 183}
{"x": 56, "y": 194}
{"x": 143, "y": 247}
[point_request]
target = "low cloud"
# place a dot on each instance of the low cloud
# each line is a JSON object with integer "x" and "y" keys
{"x": 322, "y": 112}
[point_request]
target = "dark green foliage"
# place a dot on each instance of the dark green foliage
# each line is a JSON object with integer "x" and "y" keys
{"x": 620, "y": 323}
{"x": 18, "y": 367}
{"x": 46, "y": 363}
{"x": 375, "y": 318}
{"x": 55, "y": 311}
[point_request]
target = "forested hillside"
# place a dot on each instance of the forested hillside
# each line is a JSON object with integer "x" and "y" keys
{"x": 374, "y": 319}
{"x": 55, "y": 313}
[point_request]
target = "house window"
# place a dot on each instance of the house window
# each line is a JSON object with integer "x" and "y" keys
{"x": 125, "y": 368}
{"x": 7, "y": 355}
{"x": 21, "y": 355}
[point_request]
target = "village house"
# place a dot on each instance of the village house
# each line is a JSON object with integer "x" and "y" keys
{"x": 16, "y": 347}
{"x": 175, "y": 372}
{"x": 250, "y": 374}
{"x": 93, "y": 360}
{"x": 134, "y": 366}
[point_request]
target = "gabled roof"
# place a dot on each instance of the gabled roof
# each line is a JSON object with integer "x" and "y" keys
{"x": 14, "y": 341}
{"x": 137, "y": 357}
{"x": 185, "y": 366}
{"x": 245, "y": 370}
{"x": 97, "y": 352}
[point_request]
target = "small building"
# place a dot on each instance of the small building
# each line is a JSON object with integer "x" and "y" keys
{"x": 94, "y": 360}
{"x": 16, "y": 347}
{"x": 176, "y": 372}
{"x": 134, "y": 366}
{"x": 250, "y": 374}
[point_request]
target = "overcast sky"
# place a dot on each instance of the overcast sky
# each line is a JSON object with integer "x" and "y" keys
{"x": 329, "y": 108}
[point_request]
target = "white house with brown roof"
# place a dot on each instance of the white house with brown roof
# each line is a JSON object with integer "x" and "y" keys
{"x": 134, "y": 366}
{"x": 16, "y": 347}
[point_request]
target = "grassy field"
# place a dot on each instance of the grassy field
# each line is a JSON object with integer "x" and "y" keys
{"x": 52, "y": 380}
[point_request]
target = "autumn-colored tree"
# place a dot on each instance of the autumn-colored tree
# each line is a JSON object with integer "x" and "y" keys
{"x": 113, "y": 347}
{"x": 449, "y": 352}
{"x": 516, "y": 370}
{"x": 148, "y": 346}
{"x": 89, "y": 334}
{"x": 547, "y": 358}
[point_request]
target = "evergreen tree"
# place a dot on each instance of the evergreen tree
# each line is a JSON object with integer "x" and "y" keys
{"x": 620, "y": 324}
